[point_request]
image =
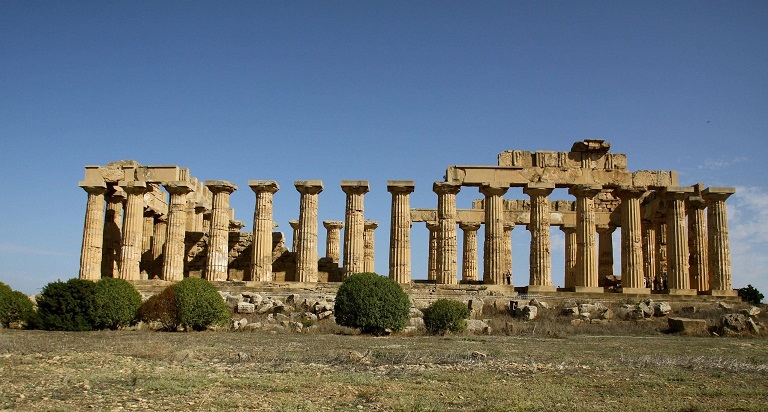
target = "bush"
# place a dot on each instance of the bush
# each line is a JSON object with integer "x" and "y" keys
{"x": 371, "y": 303}
{"x": 161, "y": 308}
{"x": 445, "y": 315}
{"x": 14, "y": 306}
{"x": 192, "y": 303}
{"x": 751, "y": 295}
{"x": 66, "y": 306}
{"x": 116, "y": 305}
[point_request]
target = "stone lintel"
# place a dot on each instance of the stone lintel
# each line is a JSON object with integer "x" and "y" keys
{"x": 263, "y": 186}
{"x": 406, "y": 186}
{"x": 161, "y": 173}
{"x": 309, "y": 186}
{"x": 635, "y": 291}
{"x": 220, "y": 186}
{"x": 331, "y": 224}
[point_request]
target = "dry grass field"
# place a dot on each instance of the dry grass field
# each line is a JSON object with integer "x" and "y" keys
{"x": 218, "y": 371}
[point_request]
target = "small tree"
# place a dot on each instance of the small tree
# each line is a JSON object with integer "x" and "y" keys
{"x": 66, "y": 305}
{"x": 445, "y": 315}
{"x": 14, "y": 306}
{"x": 161, "y": 308}
{"x": 199, "y": 304}
{"x": 751, "y": 295}
{"x": 116, "y": 304}
{"x": 371, "y": 303}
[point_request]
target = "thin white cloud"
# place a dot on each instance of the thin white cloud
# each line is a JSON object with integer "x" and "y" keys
{"x": 26, "y": 250}
{"x": 722, "y": 163}
{"x": 748, "y": 233}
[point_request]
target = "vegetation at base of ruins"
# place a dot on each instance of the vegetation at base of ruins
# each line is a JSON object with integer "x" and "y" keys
{"x": 199, "y": 304}
{"x": 445, "y": 315}
{"x": 371, "y": 303}
{"x": 116, "y": 305}
{"x": 161, "y": 308}
{"x": 15, "y": 307}
{"x": 66, "y": 306}
{"x": 751, "y": 295}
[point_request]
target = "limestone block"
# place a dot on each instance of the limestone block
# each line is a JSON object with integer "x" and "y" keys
{"x": 324, "y": 315}
{"x": 478, "y": 327}
{"x": 265, "y": 307}
{"x": 292, "y": 299}
{"x": 735, "y": 322}
{"x": 518, "y": 158}
{"x": 570, "y": 311}
{"x": 646, "y": 310}
{"x": 246, "y": 308}
{"x": 687, "y": 325}
{"x": 279, "y": 317}
{"x": 752, "y": 326}
{"x": 233, "y": 300}
{"x": 417, "y": 323}
{"x": 252, "y": 327}
{"x": 751, "y": 312}
{"x": 724, "y": 306}
{"x": 661, "y": 309}
{"x": 526, "y": 312}
{"x": 416, "y": 313}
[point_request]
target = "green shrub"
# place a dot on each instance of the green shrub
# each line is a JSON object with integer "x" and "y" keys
{"x": 66, "y": 306}
{"x": 14, "y": 306}
{"x": 161, "y": 308}
{"x": 116, "y": 305}
{"x": 751, "y": 295}
{"x": 192, "y": 303}
{"x": 371, "y": 303}
{"x": 445, "y": 315}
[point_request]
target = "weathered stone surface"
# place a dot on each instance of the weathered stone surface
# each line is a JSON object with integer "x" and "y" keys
{"x": 724, "y": 306}
{"x": 527, "y": 312}
{"x": 478, "y": 327}
{"x": 751, "y": 312}
{"x": 246, "y": 308}
{"x": 687, "y": 325}
{"x": 735, "y": 322}
{"x": 661, "y": 309}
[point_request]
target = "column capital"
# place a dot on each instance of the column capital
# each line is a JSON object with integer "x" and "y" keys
{"x": 96, "y": 188}
{"x": 257, "y": 186}
{"x": 605, "y": 228}
{"x": 355, "y": 187}
{"x": 431, "y": 225}
{"x": 696, "y": 202}
{"x": 471, "y": 226}
{"x": 133, "y": 187}
{"x": 294, "y": 224}
{"x": 538, "y": 189}
{"x": 493, "y": 189}
{"x": 329, "y": 224}
{"x": 309, "y": 187}
{"x": 568, "y": 228}
{"x": 371, "y": 224}
{"x": 218, "y": 186}
{"x": 630, "y": 192}
{"x": 401, "y": 186}
{"x": 178, "y": 188}
{"x": 588, "y": 191}
{"x": 445, "y": 188}
{"x": 509, "y": 225}
{"x": 717, "y": 193}
{"x": 676, "y": 192}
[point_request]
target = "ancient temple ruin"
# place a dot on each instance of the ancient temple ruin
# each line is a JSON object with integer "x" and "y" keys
{"x": 159, "y": 222}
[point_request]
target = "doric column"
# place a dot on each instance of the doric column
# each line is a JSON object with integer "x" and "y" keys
{"x": 217, "y": 262}
{"x": 160, "y": 230}
{"x": 508, "y": 228}
{"x": 678, "y": 279}
{"x": 697, "y": 243}
{"x": 432, "y": 254}
{"x": 174, "y": 249}
{"x": 469, "y": 259}
{"x": 93, "y": 231}
{"x": 400, "y": 230}
{"x": 541, "y": 245}
{"x": 189, "y": 210}
{"x": 113, "y": 229}
{"x": 570, "y": 255}
{"x": 333, "y": 240}
{"x": 494, "y": 261}
{"x": 661, "y": 255}
{"x": 649, "y": 252}
{"x": 295, "y": 226}
{"x": 200, "y": 210}
{"x": 207, "y": 216}
{"x": 447, "y": 269}
{"x": 261, "y": 260}
{"x": 632, "y": 279}
{"x": 586, "y": 256}
{"x": 604, "y": 252}
{"x": 133, "y": 225}
{"x": 306, "y": 257}
{"x": 147, "y": 233}
{"x": 354, "y": 222}
{"x": 368, "y": 246}
{"x": 719, "y": 244}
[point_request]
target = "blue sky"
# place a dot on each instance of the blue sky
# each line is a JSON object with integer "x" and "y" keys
{"x": 371, "y": 91}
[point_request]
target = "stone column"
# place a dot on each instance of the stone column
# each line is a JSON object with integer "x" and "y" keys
{"x": 400, "y": 230}
{"x": 217, "y": 262}
{"x": 494, "y": 262}
{"x": 697, "y": 243}
{"x": 447, "y": 269}
{"x": 207, "y": 216}
{"x": 632, "y": 279}
{"x": 586, "y": 256}
{"x": 199, "y": 213}
{"x": 661, "y": 256}
{"x": 719, "y": 244}
{"x": 432, "y": 257}
{"x": 93, "y": 231}
{"x": 508, "y": 228}
{"x": 333, "y": 240}
{"x": 354, "y": 222}
{"x": 113, "y": 229}
{"x": 649, "y": 252}
{"x": 295, "y": 226}
{"x": 570, "y": 255}
{"x": 541, "y": 244}
{"x": 133, "y": 225}
{"x": 604, "y": 252}
{"x": 147, "y": 232}
{"x": 306, "y": 257}
{"x": 190, "y": 212}
{"x": 263, "y": 224}
{"x": 368, "y": 246}
{"x": 469, "y": 260}
{"x": 678, "y": 279}
{"x": 160, "y": 230}
{"x": 174, "y": 249}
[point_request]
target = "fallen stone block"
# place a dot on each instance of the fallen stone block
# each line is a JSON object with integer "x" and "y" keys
{"x": 687, "y": 325}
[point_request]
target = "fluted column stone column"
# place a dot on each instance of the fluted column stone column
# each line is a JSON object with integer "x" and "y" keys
{"x": 295, "y": 239}
{"x": 719, "y": 243}
{"x": 586, "y": 262}
{"x": 354, "y": 226}
{"x": 369, "y": 252}
{"x": 263, "y": 224}
{"x": 494, "y": 261}
{"x": 508, "y": 228}
{"x": 678, "y": 279}
{"x": 447, "y": 269}
{"x": 133, "y": 225}
{"x": 698, "y": 244}
{"x": 604, "y": 253}
{"x": 469, "y": 246}
{"x": 541, "y": 244}
{"x": 570, "y": 255}
{"x": 306, "y": 256}
{"x": 632, "y": 278}
{"x": 333, "y": 240}
{"x": 662, "y": 263}
{"x": 113, "y": 229}
{"x": 400, "y": 230}
{"x": 199, "y": 217}
{"x": 649, "y": 252}
{"x": 432, "y": 251}
{"x": 93, "y": 231}
{"x": 217, "y": 263}
{"x": 160, "y": 231}
{"x": 174, "y": 250}
{"x": 147, "y": 233}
